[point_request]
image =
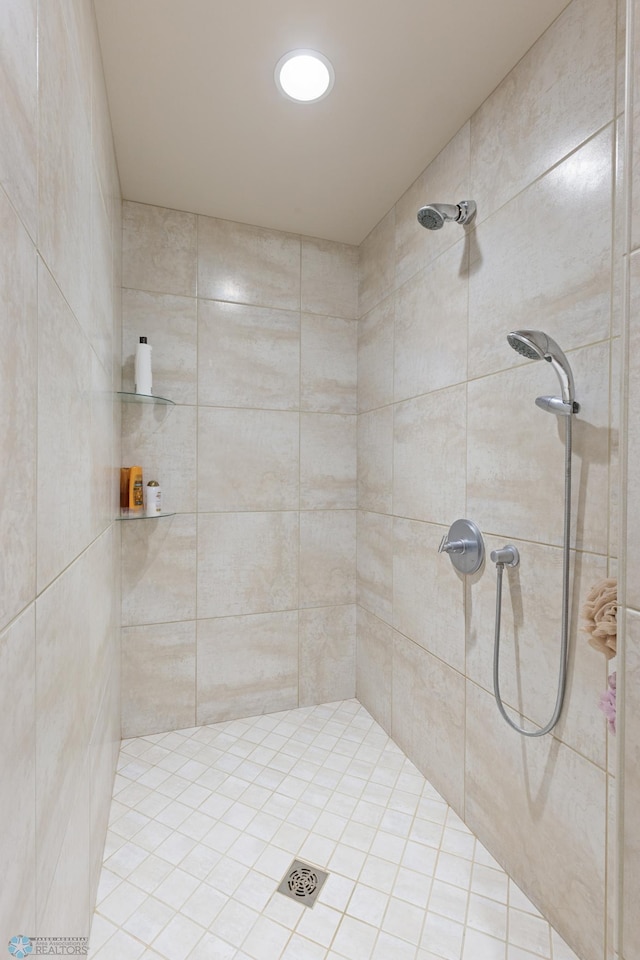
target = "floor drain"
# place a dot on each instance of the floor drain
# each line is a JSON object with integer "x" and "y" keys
{"x": 302, "y": 883}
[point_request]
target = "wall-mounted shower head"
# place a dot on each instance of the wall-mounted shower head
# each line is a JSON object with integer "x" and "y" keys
{"x": 435, "y": 215}
{"x": 536, "y": 345}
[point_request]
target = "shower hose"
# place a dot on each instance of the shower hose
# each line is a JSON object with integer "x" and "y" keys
{"x": 564, "y": 644}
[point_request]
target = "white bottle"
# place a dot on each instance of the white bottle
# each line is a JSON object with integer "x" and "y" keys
{"x": 143, "y": 367}
{"x": 153, "y": 500}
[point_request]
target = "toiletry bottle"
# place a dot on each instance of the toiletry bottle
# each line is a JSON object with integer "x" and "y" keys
{"x": 136, "y": 490}
{"x": 124, "y": 491}
{"x": 143, "y": 367}
{"x": 154, "y": 499}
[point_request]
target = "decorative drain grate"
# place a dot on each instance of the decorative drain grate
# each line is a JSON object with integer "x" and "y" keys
{"x": 302, "y": 883}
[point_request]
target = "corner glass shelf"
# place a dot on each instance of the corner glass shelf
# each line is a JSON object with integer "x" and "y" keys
{"x": 143, "y": 516}
{"x": 128, "y": 397}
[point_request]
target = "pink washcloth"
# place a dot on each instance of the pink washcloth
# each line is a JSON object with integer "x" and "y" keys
{"x": 608, "y": 703}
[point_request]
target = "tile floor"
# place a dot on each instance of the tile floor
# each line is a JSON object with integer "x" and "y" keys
{"x": 206, "y": 821}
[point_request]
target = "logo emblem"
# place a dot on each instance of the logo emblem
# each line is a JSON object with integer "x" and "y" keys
{"x": 20, "y": 947}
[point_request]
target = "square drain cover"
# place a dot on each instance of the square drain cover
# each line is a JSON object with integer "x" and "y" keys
{"x": 302, "y": 882}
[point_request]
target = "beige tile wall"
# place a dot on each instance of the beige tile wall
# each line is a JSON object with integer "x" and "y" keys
{"x": 248, "y": 594}
{"x": 60, "y": 231}
{"x": 630, "y": 489}
{"x": 447, "y": 428}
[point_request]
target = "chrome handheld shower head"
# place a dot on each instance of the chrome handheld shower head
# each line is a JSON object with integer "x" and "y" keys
{"x": 536, "y": 345}
{"x": 435, "y": 215}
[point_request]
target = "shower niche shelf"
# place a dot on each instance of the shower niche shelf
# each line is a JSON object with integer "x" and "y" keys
{"x": 143, "y": 516}
{"x": 128, "y": 397}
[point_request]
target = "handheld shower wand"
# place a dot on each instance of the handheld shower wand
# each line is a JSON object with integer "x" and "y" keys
{"x": 536, "y": 345}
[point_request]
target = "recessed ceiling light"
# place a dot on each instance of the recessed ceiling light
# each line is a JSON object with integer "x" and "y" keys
{"x": 304, "y": 76}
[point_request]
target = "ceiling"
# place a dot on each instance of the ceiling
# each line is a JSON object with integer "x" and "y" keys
{"x": 200, "y": 126}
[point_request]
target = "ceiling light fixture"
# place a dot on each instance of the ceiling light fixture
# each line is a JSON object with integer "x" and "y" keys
{"x": 304, "y": 76}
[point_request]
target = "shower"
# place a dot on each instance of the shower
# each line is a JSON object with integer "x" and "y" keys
{"x": 434, "y": 215}
{"x": 536, "y": 345}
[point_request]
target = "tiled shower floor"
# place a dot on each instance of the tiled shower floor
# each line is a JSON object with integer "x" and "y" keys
{"x": 206, "y": 821}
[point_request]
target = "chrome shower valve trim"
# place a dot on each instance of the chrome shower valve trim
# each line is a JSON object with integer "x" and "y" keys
{"x": 465, "y": 546}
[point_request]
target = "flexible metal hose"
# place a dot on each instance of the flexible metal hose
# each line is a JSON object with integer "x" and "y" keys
{"x": 564, "y": 644}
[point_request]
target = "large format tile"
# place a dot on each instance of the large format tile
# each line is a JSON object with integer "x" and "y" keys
{"x": 63, "y": 624}
{"x": 445, "y": 180}
{"x": 531, "y": 628}
{"x": 327, "y": 557}
{"x": 430, "y": 345}
{"x": 534, "y": 270}
{"x": 377, "y": 266}
{"x": 328, "y": 364}
{"x": 427, "y": 717}
{"x": 375, "y": 564}
{"x": 65, "y": 906}
{"x": 329, "y": 278}
{"x": 633, "y": 440}
{"x": 64, "y": 161}
{"x": 429, "y": 471}
{"x": 106, "y": 448}
{"x": 99, "y": 321}
{"x": 158, "y": 677}
{"x": 541, "y": 810}
{"x": 18, "y": 386}
{"x": 428, "y": 593}
{"x": 17, "y": 805}
{"x": 64, "y": 432}
{"x": 559, "y": 94}
{"x": 248, "y": 356}
{"x": 327, "y": 654}
{"x": 159, "y": 249}
{"x": 374, "y": 658}
{"x": 247, "y": 563}
{"x": 240, "y": 263}
{"x": 171, "y": 327}
{"x": 375, "y": 460}
{"x": 248, "y": 459}
{"x": 516, "y": 453}
{"x": 158, "y": 570}
{"x": 247, "y": 665}
{"x": 101, "y": 563}
{"x": 163, "y": 441}
{"x": 19, "y": 108}
{"x": 375, "y": 356}
{"x": 103, "y": 755}
{"x": 328, "y": 461}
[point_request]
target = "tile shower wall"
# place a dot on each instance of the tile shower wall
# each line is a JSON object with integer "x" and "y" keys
{"x": 60, "y": 238}
{"x": 629, "y": 839}
{"x": 244, "y": 601}
{"x": 447, "y": 428}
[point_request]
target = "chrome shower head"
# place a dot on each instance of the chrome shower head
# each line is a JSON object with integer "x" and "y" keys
{"x": 435, "y": 215}
{"x": 536, "y": 345}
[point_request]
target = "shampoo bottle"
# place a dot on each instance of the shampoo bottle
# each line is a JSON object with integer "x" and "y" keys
{"x": 143, "y": 367}
{"x": 136, "y": 490}
{"x": 124, "y": 491}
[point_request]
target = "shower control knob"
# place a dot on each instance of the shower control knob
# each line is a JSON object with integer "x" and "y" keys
{"x": 465, "y": 546}
{"x": 454, "y": 546}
